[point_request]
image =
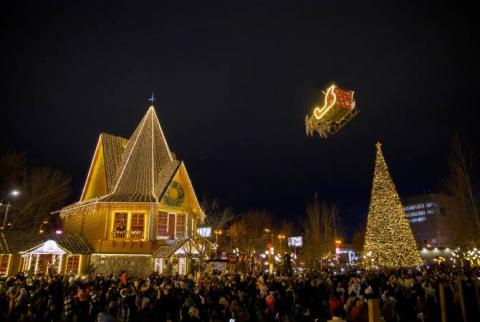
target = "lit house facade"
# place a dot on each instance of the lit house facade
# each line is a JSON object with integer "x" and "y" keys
{"x": 137, "y": 213}
{"x": 138, "y": 210}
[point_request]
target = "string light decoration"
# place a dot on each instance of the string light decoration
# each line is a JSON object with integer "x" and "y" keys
{"x": 175, "y": 195}
{"x": 389, "y": 240}
{"x": 337, "y": 110}
{"x": 140, "y": 169}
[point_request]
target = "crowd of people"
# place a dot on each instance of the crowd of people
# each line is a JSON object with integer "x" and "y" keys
{"x": 403, "y": 295}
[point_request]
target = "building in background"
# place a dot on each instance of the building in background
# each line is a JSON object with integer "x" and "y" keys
{"x": 426, "y": 216}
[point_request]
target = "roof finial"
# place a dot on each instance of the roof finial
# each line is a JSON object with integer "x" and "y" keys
{"x": 152, "y": 99}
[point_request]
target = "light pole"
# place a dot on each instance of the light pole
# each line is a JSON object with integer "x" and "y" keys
{"x": 14, "y": 193}
{"x": 217, "y": 232}
{"x": 337, "y": 249}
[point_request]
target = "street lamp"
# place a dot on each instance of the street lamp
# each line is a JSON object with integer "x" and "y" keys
{"x": 217, "y": 232}
{"x": 12, "y": 194}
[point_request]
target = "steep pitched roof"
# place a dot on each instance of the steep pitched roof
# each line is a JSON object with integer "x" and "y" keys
{"x": 189, "y": 245}
{"x": 102, "y": 174}
{"x": 71, "y": 242}
{"x": 137, "y": 170}
{"x": 113, "y": 147}
{"x": 147, "y": 164}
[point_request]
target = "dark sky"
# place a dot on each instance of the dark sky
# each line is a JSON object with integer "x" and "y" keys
{"x": 234, "y": 82}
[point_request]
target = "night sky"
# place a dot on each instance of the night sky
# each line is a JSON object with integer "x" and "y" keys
{"x": 234, "y": 82}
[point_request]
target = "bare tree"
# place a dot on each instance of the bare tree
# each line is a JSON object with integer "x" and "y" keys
{"x": 43, "y": 190}
{"x": 322, "y": 227}
{"x": 248, "y": 231}
{"x": 287, "y": 228}
{"x": 217, "y": 216}
{"x": 12, "y": 171}
{"x": 460, "y": 198}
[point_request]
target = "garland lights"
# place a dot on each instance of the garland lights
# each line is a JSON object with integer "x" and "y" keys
{"x": 175, "y": 195}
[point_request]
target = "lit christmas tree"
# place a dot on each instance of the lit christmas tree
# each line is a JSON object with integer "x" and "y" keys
{"x": 389, "y": 240}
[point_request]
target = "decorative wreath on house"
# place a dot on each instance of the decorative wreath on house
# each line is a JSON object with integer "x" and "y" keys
{"x": 175, "y": 195}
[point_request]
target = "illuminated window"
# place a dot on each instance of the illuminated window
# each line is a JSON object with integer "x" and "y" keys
{"x": 418, "y": 219}
{"x": 120, "y": 225}
{"x": 137, "y": 225}
{"x": 73, "y": 264}
{"x": 4, "y": 264}
{"x": 181, "y": 225}
{"x": 162, "y": 224}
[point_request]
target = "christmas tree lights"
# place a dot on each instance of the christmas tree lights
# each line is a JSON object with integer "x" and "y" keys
{"x": 389, "y": 240}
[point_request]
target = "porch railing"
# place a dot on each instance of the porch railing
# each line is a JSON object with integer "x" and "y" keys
{"x": 133, "y": 234}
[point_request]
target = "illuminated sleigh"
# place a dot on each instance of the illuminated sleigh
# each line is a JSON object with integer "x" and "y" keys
{"x": 338, "y": 109}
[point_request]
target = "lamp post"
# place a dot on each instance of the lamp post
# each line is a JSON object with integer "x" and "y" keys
{"x": 14, "y": 193}
{"x": 217, "y": 232}
{"x": 337, "y": 249}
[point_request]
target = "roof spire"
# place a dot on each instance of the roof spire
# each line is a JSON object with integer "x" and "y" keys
{"x": 152, "y": 98}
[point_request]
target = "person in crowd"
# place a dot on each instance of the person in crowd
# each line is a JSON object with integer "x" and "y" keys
{"x": 306, "y": 296}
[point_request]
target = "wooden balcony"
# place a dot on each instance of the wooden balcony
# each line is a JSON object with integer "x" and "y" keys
{"x": 125, "y": 246}
{"x": 128, "y": 234}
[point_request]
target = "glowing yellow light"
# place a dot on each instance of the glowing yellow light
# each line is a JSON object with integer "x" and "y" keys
{"x": 385, "y": 215}
{"x": 319, "y": 112}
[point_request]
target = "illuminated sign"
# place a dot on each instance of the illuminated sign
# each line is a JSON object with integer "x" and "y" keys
{"x": 205, "y": 231}
{"x": 295, "y": 241}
